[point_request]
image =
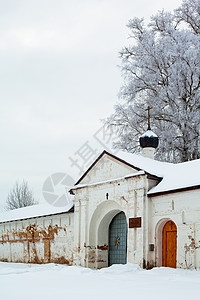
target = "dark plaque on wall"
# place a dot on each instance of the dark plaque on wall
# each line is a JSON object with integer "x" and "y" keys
{"x": 135, "y": 222}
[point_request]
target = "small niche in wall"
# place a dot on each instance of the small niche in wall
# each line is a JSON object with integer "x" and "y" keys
{"x": 151, "y": 247}
{"x": 172, "y": 204}
{"x": 183, "y": 217}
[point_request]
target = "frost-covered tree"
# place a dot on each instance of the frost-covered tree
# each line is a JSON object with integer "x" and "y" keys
{"x": 20, "y": 196}
{"x": 161, "y": 69}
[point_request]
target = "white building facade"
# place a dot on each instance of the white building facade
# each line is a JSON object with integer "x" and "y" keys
{"x": 162, "y": 228}
{"x": 127, "y": 208}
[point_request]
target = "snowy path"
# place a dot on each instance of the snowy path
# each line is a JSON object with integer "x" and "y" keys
{"x": 58, "y": 282}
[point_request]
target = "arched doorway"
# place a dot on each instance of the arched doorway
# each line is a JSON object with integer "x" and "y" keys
{"x": 97, "y": 252}
{"x": 169, "y": 244}
{"x": 118, "y": 240}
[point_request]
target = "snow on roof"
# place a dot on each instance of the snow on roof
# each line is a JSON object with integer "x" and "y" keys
{"x": 154, "y": 167}
{"x": 182, "y": 175}
{"x": 174, "y": 176}
{"x": 33, "y": 211}
{"x": 149, "y": 133}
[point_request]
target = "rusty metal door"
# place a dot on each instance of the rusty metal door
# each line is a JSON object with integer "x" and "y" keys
{"x": 118, "y": 240}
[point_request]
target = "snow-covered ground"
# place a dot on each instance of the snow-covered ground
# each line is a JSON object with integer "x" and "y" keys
{"x": 58, "y": 282}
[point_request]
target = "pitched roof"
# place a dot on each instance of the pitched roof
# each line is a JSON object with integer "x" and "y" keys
{"x": 179, "y": 177}
{"x": 174, "y": 176}
{"x": 39, "y": 210}
{"x": 129, "y": 159}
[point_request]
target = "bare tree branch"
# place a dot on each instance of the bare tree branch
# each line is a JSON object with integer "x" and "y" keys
{"x": 20, "y": 196}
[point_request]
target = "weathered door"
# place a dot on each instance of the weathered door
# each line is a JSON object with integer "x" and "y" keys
{"x": 117, "y": 240}
{"x": 169, "y": 244}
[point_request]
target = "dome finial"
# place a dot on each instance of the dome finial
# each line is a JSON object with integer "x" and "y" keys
{"x": 149, "y": 127}
{"x": 149, "y": 140}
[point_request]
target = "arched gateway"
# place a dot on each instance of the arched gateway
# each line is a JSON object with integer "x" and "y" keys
{"x": 105, "y": 218}
{"x": 118, "y": 240}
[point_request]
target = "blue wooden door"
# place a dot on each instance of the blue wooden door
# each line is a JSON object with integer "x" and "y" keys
{"x": 118, "y": 240}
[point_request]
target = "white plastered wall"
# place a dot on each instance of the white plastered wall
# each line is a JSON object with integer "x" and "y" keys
{"x": 38, "y": 240}
{"x": 97, "y": 204}
{"x": 183, "y": 208}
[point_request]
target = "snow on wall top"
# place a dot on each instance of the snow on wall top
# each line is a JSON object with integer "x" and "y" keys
{"x": 33, "y": 211}
{"x": 174, "y": 176}
{"x": 78, "y": 186}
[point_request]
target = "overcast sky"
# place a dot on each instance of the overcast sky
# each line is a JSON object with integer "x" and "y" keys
{"x": 59, "y": 78}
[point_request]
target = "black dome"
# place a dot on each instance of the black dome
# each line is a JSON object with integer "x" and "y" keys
{"x": 149, "y": 139}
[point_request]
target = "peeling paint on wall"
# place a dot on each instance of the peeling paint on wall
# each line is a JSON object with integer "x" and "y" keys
{"x": 39, "y": 242}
